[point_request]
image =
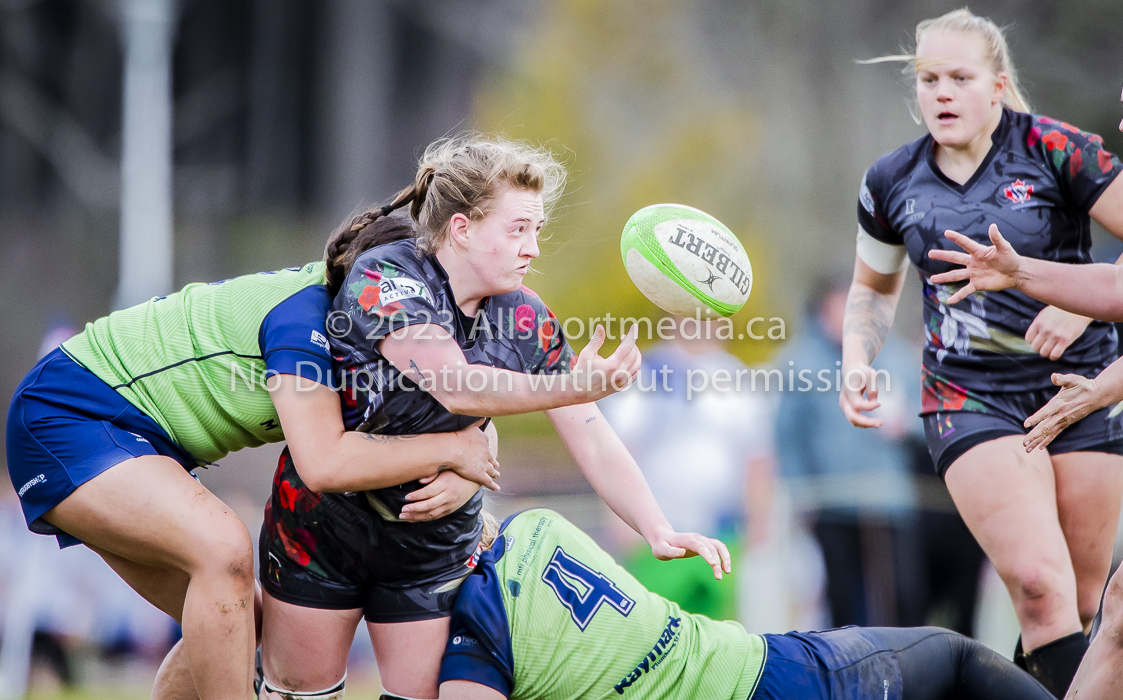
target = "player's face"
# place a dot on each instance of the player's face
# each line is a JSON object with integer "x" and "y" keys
{"x": 503, "y": 243}
{"x": 956, "y": 86}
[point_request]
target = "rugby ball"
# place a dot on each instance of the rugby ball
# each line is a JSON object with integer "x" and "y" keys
{"x": 686, "y": 261}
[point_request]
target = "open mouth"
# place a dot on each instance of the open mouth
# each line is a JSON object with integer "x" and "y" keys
{"x": 946, "y": 117}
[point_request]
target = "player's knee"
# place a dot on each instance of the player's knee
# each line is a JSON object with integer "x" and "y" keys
{"x": 227, "y": 552}
{"x": 1037, "y": 587}
{"x": 1112, "y": 623}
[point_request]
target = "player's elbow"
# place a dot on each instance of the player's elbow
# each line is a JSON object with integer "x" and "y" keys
{"x": 316, "y": 472}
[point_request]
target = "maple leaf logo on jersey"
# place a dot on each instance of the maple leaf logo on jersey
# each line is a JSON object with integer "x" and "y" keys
{"x": 1019, "y": 192}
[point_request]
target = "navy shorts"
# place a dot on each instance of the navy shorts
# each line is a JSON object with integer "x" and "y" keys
{"x": 333, "y": 551}
{"x": 988, "y": 416}
{"x": 889, "y": 663}
{"x": 840, "y": 664}
{"x": 66, "y": 426}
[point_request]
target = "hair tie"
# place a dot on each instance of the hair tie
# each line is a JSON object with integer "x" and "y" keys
{"x": 387, "y": 209}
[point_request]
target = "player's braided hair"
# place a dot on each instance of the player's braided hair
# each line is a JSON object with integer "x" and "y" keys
{"x": 372, "y": 228}
{"x": 996, "y": 51}
{"x": 456, "y": 175}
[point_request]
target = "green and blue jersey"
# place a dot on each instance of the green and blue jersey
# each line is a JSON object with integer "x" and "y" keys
{"x": 548, "y": 614}
{"x": 198, "y": 361}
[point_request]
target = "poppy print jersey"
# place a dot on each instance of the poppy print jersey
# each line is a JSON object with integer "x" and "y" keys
{"x": 1037, "y": 183}
{"x": 395, "y": 286}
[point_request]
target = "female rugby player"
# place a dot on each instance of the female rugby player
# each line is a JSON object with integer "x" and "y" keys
{"x": 1045, "y": 519}
{"x": 548, "y": 614}
{"x": 1093, "y": 290}
{"x": 102, "y": 434}
{"x": 434, "y": 333}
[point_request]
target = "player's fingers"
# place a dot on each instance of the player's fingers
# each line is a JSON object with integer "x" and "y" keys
{"x": 1048, "y": 343}
{"x": 427, "y": 479}
{"x": 726, "y": 560}
{"x": 957, "y": 275}
{"x": 427, "y": 492}
{"x": 964, "y": 292}
{"x": 996, "y": 238}
{"x": 1058, "y": 349}
{"x": 962, "y": 241}
{"x": 951, "y": 256}
{"x": 596, "y": 341}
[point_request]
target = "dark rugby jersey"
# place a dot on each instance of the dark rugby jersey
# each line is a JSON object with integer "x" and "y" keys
{"x": 394, "y": 286}
{"x": 1037, "y": 183}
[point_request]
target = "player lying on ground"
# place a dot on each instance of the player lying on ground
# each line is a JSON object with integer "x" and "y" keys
{"x": 548, "y": 614}
{"x": 426, "y": 333}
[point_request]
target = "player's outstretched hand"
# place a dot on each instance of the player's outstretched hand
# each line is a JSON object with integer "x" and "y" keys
{"x": 598, "y": 377}
{"x": 1053, "y": 330}
{"x": 441, "y": 495}
{"x": 680, "y": 545}
{"x": 986, "y": 268}
{"x": 476, "y": 460}
{"x": 1078, "y": 397}
{"x": 858, "y": 394}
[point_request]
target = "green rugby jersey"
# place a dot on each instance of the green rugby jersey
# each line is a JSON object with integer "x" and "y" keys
{"x": 196, "y": 361}
{"x": 548, "y": 614}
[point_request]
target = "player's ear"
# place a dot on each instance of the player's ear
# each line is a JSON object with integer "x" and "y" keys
{"x": 1000, "y": 82}
{"x": 458, "y": 227}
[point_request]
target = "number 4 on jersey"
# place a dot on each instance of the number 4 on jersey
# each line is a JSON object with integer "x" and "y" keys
{"x": 581, "y": 590}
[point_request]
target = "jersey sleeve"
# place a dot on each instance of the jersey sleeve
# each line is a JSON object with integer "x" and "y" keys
{"x": 538, "y": 335}
{"x": 479, "y": 637}
{"x": 293, "y": 338}
{"x": 1081, "y": 164}
{"x": 385, "y": 294}
{"x": 871, "y": 208}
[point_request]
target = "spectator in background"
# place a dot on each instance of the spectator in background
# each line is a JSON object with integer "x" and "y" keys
{"x": 706, "y": 452}
{"x": 855, "y": 485}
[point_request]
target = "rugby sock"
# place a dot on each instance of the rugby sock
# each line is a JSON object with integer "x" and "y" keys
{"x": 1054, "y": 664}
{"x": 1019, "y": 654}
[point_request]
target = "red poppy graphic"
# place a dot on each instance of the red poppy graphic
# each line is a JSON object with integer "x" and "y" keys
{"x": 288, "y": 495}
{"x": 373, "y": 274}
{"x": 1034, "y": 136}
{"x": 1070, "y": 127}
{"x": 1104, "y": 161}
{"x": 572, "y": 362}
{"x": 1096, "y": 138}
{"x": 525, "y": 318}
{"x": 546, "y": 333}
{"x": 1055, "y": 140}
{"x": 389, "y": 309}
{"x": 1074, "y": 162}
{"x": 369, "y": 297}
{"x": 941, "y": 396}
{"x": 553, "y": 357}
{"x": 292, "y": 547}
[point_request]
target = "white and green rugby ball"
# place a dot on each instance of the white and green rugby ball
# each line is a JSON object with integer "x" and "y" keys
{"x": 686, "y": 261}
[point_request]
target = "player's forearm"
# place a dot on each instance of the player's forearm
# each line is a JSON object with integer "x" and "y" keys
{"x": 503, "y": 392}
{"x": 1109, "y": 385}
{"x": 610, "y": 469}
{"x": 1088, "y": 290}
{"x": 363, "y": 461}
{"x": 866, "y": 325}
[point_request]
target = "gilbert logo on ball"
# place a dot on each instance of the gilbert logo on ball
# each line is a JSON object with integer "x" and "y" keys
{"x": 686, "y": 261}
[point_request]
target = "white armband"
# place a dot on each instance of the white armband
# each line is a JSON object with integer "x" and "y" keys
{"x": 881, "y": 257}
